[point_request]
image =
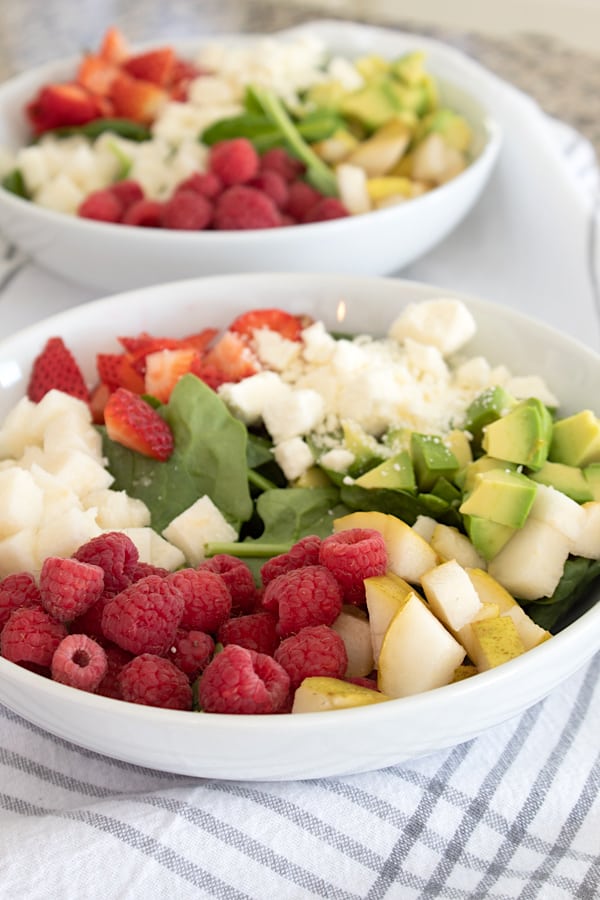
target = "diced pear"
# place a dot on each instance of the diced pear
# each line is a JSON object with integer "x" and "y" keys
{"x": 71, "y": 432}
{"x": 163, "y": 554}
{"x": 385, "y": 187}
{"x": 465, "y": 635}
{"x": 18, "y": 552}
{"x": 142, "y": 538}
{"x": 62, "y": 537}
{"x": 58, "y": 498}
{"x": 463, "y": 672}
{"x": 491, "y": 592}
{"x": 425, "y": 526}
{"x": 450, "y": 543}
{"x": 435, "y": 161}
{"x": 495, "y": 641}
{"x": 380, "y": 153}
{"x": 409, "y": 556}
{"x": 451, "y": 595}
{"x": 116, "y": 509}
{"x": 353, "y": 627}
{"x": 531, "y": 564}
{"x": 556, "y": 509}
{"x": 385, "y": 596}
{"x": 587, "y": 542}
{"x": 417, "y": 653}
{"x": 199, "y": 524}
{"x": 21, "y": 501}
{"x": 57, "y": 404}
{"x": 360, "y": 519}
{"x": 352, "y": 188}
{"x": 78, "y": 470}
{"x": 18, "y": 430}
{"x": 323, "y": 694}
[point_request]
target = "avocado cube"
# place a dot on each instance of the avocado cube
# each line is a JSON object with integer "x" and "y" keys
{"x": 371, "y": 106}
{"x": 488, "y": 406}
{"x": 363, "y": 446}
{"x": 487, "y": 537}
{"x": 414, "y": 98}
{"x": 458, "y": 442}
{"x": 447, "y": 491}
{"x": 373, "y": 66}
{"x": 521, "y": 436}
{"x": 409, "y": 68}
{"x": 591, "y": 474}
{"x": 397, "y": 439}
{"x": 395, "y": 473}
{"x": 502, "y": 496}
{"x": 454, "y": 128}
{"x": 466, "y": 478}
{"x": 569, "y": 480}
{"x": 576, "y": 439}
{"x": 431, "y": 459}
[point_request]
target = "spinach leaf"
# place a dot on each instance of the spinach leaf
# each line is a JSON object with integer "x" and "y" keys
{"x": 209, "y": 458}
{"x": 402, "y": 504}
{"x": 15, "y": 183}
{"x": 124, "y": 128}
{"x": 291, "y": 513}
{"x": 571, "y": 598}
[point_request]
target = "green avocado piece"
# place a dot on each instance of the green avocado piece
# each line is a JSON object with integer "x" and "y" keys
{"x": 447, "y": 491}
{"x": 409, "y": 68}
{"x": 397, "y": 439}
{"x": 414, "y": 98}
{"x": 501, "y": 496}
{"x": 395, "y": 473}
{"x": 576, "y": 439}
{"x": 569, "y": 480}
{"x": 591, "y": 474}
{"x": 365, "y": 449}
{"x": 521, "y": 436}
{"x": 453, "y": 127}
{"x": 327, "y": 95}
{"x": 466, "y": 478}
{"x": 488, "y": 406}
{"x": 371, "y": 105}
{"x": 431, "y": 459}
{"x": 487, "y": 537}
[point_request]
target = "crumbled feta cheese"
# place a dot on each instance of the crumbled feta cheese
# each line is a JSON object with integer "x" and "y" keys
{"x": 294, "y": 457}
{"x": 319, "y": 345}
{"x": 247, "y": 399}
{"x": 273, "y": 350}
{"x": 473, "y": 374}
{"x": 445, "y": 323}
{"x": 292, "y": 413}
{"x": 522, "y": 386}
{"x": 424, "y": 359}
{"x": 338, "y": 460}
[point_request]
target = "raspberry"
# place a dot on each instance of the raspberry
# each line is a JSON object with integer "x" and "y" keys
{"x": 243, "y": 682}
{"x": 206, "y": 598}
{"x": 313, "y": 651}
{"x": 115, "y": 553}
{"x": 307, "y": 596}
{"x": 31, "y": 636}
{"x": 69, "y": 587}
{"x": 206, "y": 183}
{"x": 273, "y": 185}
{"x": 243, "y": 207}
{"x": 304, "y": 553}
{"x": 192, "y": 651}
{"x": 127, "y": 192}
{"x": 101, "y": 205}
{"x": 351, "y": 556}
{"x": 16, "y": 591}
{"x": 234, "y": 161}
{"x": 90, "y": 622}
{"x": 325, "y": 209}
{"x": 116, "y": 659}
{"x": 144, "y": 213}
{"x": 144, "y": 617}
{"x": 142, "y": 570}
{"x": 301, "y": 199}
{"x": 238, "y": 578}
{"x": 186, "y": 211}
{"x": 257, "y": 631}
{"x": 154, "y": 681}
{"x": 279, "y": 160}
{"x": 79, "y": 662}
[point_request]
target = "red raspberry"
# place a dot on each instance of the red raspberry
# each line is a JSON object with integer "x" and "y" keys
{"x": 144, "y": 617}
{"x": 273, "y": 185}
{"x": 206, "y": 183}
{"x": 207, "y": 600}
{"x": 192, "y": 651}
{"x": 238, "y": 578}
{"x": 234, "y": 161}
{"x": 79, "y": 662}
{"x": 305, "y": 552}
{"x": 307, "y": 596}
{"x": 301, "y": 199}
{"x": 325, "y": 209}
{"x": 242, "y": 207}
{"x": 17, "y": 590}
{"x": 116, "y": 659}
{"x": 154, "y": 681}
{"x": 143, "y": 569}
{"x": 279, "y": 160}
{"x": 353, "y": 555}
{"x": 257, "y": 631}
{"x": 144, "y": 214}
{"x": 115, "y": 553}
{"x": 69, "y": 587}
{"x": 127, "y": 192}
{"x": 243, "y": 682}
{"x": 186, "y": 211}
{"x": 313, "y": 651}
{"x": 90, "y": 622}
{"x": 31, "y": 636}
{"x": 101, "y": 205}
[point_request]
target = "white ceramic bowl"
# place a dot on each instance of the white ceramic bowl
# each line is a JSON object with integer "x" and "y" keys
{"x": 115, "y": 257}
{"x": 315, "y": 744}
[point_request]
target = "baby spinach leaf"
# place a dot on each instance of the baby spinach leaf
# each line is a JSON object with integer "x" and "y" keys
{"x": 572, "y": 597}
{"x": 291, "y": 513}
{"x": 397, "y": 503}
{"x": 15, "y": 183}
{"x": 125, "y": 128}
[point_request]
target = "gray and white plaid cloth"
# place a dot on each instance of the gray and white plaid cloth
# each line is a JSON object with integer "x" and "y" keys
{"x": 514, "y": 813}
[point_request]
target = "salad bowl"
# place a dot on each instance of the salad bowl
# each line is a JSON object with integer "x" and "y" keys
{"x": 113, "y": 257}
{"x": 314, "y": 744}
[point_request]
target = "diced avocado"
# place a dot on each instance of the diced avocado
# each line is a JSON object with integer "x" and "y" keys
{"x": 327, "y": 95}
{"x": 446, "y": 490}
{"x": 395, "y": 473}
{"x": 454, "y": 128}
{"x": 591, "y": 474}
{"x": 431, "y": 459}
{"x": 372, "y": 66}
{"x": 409, "y": 68}
{"x": 521, "y": 436}
{"x": 397, "y": 439}
{"x": 414, "y": 99}
{"x": 576, "y": 439}
{"x": 371, "y": 105}
{"x": 487, "y": 537}
{"x": 313, "y": 477}
{"x": 466, "y": 478}
{"x": 458, "y": 442}
{"x": 570, "y": 480}
{"x": 501, "y": 496}
{"x": 488, "y": 406}
{"x": 363, "y": 446}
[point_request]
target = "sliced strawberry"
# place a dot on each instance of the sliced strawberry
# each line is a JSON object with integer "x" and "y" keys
{"x": 114, "y": 47}
{"x": 55, "y": 368}
{"x": 98, "y": 400}
{"x": 136, "y": 99}
{"x": 108, "y": 366}
{"x": 96, "y": 74}
{"x": 156, "y": 66}
{"x": 183, "y": 73}
{"x": 287, "y": 325}
{"x": 229, "y": 360}
{"x": 129, "y": 376}
{"x": 164, "y": 368}
{"x": 134, "y": 423}
{"x": 200, "y": 340}
{"x": 59, "y": 105}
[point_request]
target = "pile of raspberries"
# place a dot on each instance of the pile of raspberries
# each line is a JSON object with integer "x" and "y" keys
{"x": 205, "y": 638}
{"x": 240, "y": 190}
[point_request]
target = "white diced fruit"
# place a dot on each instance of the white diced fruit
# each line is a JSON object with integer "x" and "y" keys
{"x": 556, "y": 509}
{"x": 451, "y": 595}
{"x": 164, "y": 554}
{"x": 18, "y": 430}
{"x": 62, "y": 537}
{"x": 352, "y": 188}
{"x": 60, "y": 193}
{"x": 247, "y": 398}
{"x": 294, "y": 457}
{"x": 116, "y": 509}
{"x": 445, "y": 323}
{"x": 69, "y": 433}
{"x": 353, "y": 627}
{"x": 142, "y": 538}
{"x": 292, "y": 413}
{"x": 450, "y": 543}
{"x": 21, "y": 501}
{"x": 200, "y": 524}
{"x": 56, "y": 404}
{"x": 587, "y": 543}
{"x": 531, "y": 564}
{"x": 425, "y": 526}
{"x": 78, "y": 470}
{"x": 58, "y": 498}
{"x": 18, "y": 552}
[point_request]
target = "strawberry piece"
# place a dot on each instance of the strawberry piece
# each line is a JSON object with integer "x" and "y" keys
{"x": 164, "y": 369}
{"x": 108, "y": 366}
{"x": 129, "y": 377}
{"x": 183, "y": 73}
{"x": 284, "y": 323}
{"x": 200, "y": 340}
{"x": 96, "y": 74}
{"x": 135, "y": 424}
{"x": 157, "y": 66}
{"x": 98, "y": 400}
{"x": 136, "y": 99}
{"x": 229, "y": 360}
{"x": 55, "y": 368}
{"x": 114, "y": 47}
{"x": 58, "y": 105}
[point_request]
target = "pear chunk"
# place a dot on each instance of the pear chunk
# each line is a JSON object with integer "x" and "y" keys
{"x": 531, "y": 564}
{"x": 492, "y": 593}
{"x": 353, "y": 627}
{"x": 495, "y": 641}
{"x": 451, "y": 595}
{"x": 322, "y": 694}
{"x": 386, "y": 595}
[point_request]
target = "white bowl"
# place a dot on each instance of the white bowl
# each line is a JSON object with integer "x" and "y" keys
{"x": 116, "y": 257}
{"x": 315, "y": 744}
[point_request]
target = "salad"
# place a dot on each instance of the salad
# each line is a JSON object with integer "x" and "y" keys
{"x": 322, "y": 520}
{"x": 311, "y": 135}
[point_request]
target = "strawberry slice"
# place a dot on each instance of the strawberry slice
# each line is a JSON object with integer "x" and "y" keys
{"x": 98, "y": 400}
{"x": 230, "y": 360}
{"x": 114, "y": 47}
{"x": 58, "y": 105}
{"x": 132, "y": 422}
{"x": 55, "y": 368}
{"x": 136, "y": 99}
{"x": 287, "y": 325}
{"x": 96, "y": 74}
{"x": 108, "y": 366}
{"x": 157, "y": 66}
{"x": 164, "y": 368}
